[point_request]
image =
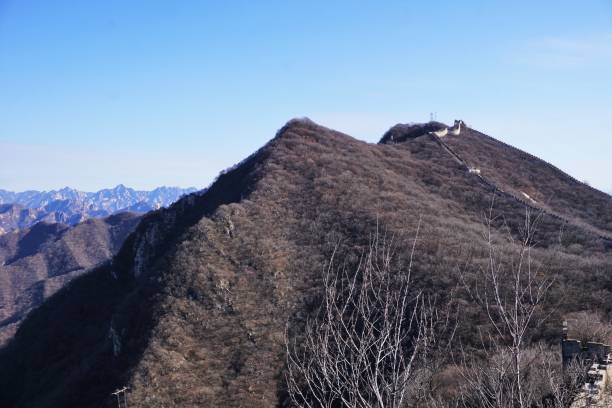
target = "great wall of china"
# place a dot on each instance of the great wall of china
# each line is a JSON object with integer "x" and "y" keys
{"x": 597, "y": 389}
{"x": 596, "y": 392}
{"x": 456, "y": 130}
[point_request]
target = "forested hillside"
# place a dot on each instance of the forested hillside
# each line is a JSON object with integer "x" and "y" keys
{"x": 37, "y": 262}
{"x": 196, "y": 307}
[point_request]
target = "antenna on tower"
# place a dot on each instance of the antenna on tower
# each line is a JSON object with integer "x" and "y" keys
{"x": 431, "y": 116}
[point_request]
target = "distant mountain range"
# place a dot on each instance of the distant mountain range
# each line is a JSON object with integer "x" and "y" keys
{"x": 71, "y": 206}
{"x": 196, "y": 306}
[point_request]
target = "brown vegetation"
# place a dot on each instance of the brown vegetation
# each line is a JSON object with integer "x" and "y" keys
{"x": 205, "y": 289}
{"x": 36, "y": 262}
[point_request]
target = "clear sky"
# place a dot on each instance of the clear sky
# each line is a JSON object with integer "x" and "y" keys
{"x": 145, "y": 93}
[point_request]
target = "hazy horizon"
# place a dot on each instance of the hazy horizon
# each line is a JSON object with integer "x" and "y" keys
{"x": 97, "y": 190}
{"x": 150, "y": 93}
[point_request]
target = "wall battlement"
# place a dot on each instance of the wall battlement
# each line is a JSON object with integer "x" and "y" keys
{"x": 572, "y": 349}
{"x": 595, "y": 392}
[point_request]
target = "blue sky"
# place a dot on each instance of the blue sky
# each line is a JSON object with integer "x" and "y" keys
{"x": 147, "y": 93}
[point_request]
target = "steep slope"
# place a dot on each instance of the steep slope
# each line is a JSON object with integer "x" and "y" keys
{"x": 36, "y": 262}
{"x": 519, "y": 176}
{"x": 533, "y": 180}
{"x": 194, "y": 308}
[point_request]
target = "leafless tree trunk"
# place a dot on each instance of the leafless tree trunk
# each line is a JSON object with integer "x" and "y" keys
{"x": 488, "y": 382}
{"x": 511, "y": 289}
{"x": 565, "y": 383}
{"x": 371, "y": 334}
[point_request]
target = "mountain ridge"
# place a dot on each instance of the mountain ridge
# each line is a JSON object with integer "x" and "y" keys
{"x": 71, "y": 206}
{"x": 403, "y": 132}
{"x": 194, "y": 308}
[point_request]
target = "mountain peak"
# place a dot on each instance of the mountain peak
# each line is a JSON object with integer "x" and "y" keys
{"x": 298, "y": 123}
{"x": 244, "y": 261}
{"x": 407, "y": 131}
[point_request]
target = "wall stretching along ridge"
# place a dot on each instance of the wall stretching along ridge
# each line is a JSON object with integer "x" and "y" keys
{"x": 194, "y": 308}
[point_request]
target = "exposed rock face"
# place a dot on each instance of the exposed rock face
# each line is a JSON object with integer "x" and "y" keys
{"x": 70, "y": 206}
{"x": 37, "y": 262}
{"x": 194, "y": 309}
{"x": 15, "y": 216}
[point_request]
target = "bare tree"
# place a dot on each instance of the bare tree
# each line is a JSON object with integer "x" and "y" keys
{"x": 589, "y": 326}
{"x": 371, "y": 343}
{"x": 546, "y": 383}
{"x": 565, "y": 382}
{"x": 511, "y": 289}
{"x": 370, "y": 338}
